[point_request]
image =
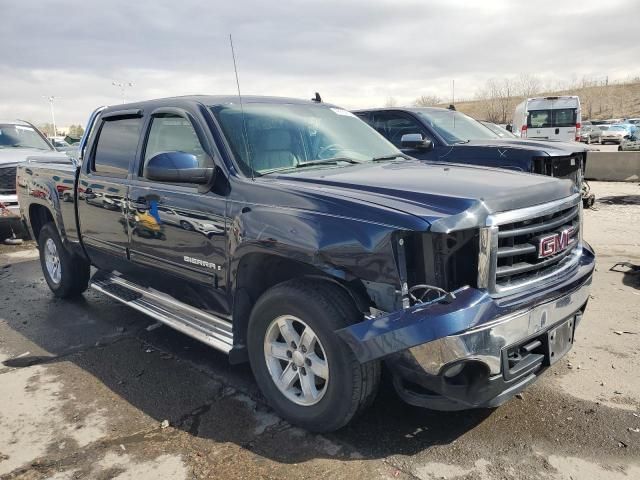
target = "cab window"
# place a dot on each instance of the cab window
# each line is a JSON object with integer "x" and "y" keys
{"x": 394, "y": 125}
{"x": 173, "y": 133}
{"x": 117, "y": 146}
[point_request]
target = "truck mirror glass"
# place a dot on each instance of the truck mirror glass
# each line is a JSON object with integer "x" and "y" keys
{"x": 177, "y": 167}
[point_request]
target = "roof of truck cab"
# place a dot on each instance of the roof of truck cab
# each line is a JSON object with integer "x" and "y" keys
{"x": 404, "y": 109}
{"x": 211, "y": 100}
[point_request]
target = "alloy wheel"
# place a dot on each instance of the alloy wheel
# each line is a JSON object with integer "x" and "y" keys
{"x": 296, "y": 360}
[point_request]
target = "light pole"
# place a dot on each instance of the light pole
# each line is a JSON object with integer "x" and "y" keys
{"x": 51, "y": 99}
{"x": 122, "y": 86}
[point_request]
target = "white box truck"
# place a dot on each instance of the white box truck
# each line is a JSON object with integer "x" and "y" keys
{"x": 548, "y": 118}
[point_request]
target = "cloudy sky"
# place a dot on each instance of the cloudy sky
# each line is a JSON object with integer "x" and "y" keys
{"x": 356, "y": 53}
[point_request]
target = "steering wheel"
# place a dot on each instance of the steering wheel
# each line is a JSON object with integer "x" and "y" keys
{"x": 336, "y": 147}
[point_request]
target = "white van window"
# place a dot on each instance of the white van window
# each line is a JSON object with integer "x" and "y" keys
{"x": 561, "y": 117}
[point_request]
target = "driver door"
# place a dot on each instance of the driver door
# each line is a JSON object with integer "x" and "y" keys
{"x": 178, "y": 234}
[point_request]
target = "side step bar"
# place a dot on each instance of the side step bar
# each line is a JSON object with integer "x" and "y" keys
{"x": 205, "y": 327}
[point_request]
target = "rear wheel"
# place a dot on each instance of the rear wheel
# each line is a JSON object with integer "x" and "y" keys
{"x": 66, "y": 274}
{"x": 309, "y": 376}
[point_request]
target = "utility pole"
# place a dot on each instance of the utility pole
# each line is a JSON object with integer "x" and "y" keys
{"x": 51, "y": 100}
{"x": 122, "y": 86}
{"x": 453, "y": 92}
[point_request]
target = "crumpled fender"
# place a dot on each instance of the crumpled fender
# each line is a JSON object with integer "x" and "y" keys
{"x": 397, "y": 331}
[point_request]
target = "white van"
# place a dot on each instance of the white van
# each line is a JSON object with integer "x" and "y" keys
{"x": 548, "y": 118}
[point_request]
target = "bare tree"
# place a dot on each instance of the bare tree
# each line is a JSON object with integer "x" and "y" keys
{"x": 528, "y": 85}
{"x": 427, "y": 101}
{"x": 47, "y": 129}
{"x": 498, "y": 99}
{"x": 391, "y": 102}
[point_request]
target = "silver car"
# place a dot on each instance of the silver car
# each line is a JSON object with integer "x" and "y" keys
{"x": 591, "y": 133}
{"x": 614, "y": 134}
{"x": 18, "y": 140}
{"x": 630, "y": 144}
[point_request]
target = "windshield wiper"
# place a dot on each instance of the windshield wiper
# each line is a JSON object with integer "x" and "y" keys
{"x": 311, "y": 163}
{"x": 460, "y": 142}
{"x": 390, "y": 157}
{"x": 326, "y": 161}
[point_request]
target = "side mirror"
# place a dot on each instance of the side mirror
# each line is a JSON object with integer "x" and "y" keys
{"x": 177, "y": 167}
{"x": 509, "y": 128}
{"x": 415, "y": 141}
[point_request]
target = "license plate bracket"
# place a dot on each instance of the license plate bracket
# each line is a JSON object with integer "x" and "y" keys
{"x": 560, "y": 340}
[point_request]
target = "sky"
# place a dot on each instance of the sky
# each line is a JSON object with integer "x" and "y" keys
{"x": 355, "y": 53}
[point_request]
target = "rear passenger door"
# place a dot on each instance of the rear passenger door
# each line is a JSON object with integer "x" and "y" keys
{"x": 103, "y": 186}
{"x": 178, "y": 233}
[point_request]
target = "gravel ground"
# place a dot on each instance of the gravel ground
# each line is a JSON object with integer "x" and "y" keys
{"x": 88, "y": 391}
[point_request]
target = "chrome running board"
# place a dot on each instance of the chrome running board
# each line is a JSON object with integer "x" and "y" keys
{"x": 205, "y": 327}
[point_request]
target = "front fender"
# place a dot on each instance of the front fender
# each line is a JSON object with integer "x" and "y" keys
{"x": 345, "y": 249}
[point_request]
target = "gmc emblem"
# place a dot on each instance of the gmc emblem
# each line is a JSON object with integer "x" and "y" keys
{"x": 554, "y": 243}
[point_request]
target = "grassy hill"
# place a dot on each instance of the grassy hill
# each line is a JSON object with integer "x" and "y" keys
{"x": 598, "y": 102}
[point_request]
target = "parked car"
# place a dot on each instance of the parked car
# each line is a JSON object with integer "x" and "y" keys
{"x": 443, "y": 135}
{"x": 630, "y": 143}
{"x": 18, "y": 139}
{"x": 548, "y": 118}
{"x": 498, "y": 130}
{"x": 614, "y": 134}
{"x": 591, "y": 134}
{"x": 340, "y": 253}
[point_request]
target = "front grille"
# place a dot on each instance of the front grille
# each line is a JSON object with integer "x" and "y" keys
{"x": 533, "y": 244}
{"x": 7, "y": 180}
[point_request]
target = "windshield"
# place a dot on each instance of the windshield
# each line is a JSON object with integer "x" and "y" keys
{"x": 287, "y": 136}
{"x": 498, "y": 130}
{"x": 455, "y": 127}
{"x": 21, "y": 136}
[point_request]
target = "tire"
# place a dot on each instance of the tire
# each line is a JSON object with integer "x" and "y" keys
{"x": 323, "y": 308}
{"x": 619, "y": 148}
{"x": 71, "y": 277}
{"x": 186, "y": 226}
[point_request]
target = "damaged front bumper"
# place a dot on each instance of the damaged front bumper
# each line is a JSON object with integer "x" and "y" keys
{"x": 475, "y": 351}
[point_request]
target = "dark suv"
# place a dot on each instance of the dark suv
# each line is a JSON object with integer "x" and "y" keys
{"x": 444, "y": 135}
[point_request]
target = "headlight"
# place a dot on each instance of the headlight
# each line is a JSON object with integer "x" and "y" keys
{"x": 445, "y": 260}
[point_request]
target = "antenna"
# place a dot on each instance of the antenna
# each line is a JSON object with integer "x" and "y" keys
{"x": 245, "y": 136}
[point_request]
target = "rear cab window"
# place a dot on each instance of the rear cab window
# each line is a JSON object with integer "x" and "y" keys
{"x": 560, "y": 117}
{"x": 116, "y": 146}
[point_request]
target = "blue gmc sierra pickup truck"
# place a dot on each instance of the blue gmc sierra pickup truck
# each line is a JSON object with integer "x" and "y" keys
{"x": 292, "y": 235}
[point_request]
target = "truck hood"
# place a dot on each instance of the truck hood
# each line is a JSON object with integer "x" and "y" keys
{"x": 544, "y": 147}
{"x": 13, "y": 156}
{"x": 447, "y": 196}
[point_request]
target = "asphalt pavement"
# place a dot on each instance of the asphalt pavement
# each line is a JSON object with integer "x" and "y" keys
{"x": 92, "y": 389}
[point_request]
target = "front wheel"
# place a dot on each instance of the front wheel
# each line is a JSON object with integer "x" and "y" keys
{"x": 308, "y": 374}
{"x": 66, "y": 274}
